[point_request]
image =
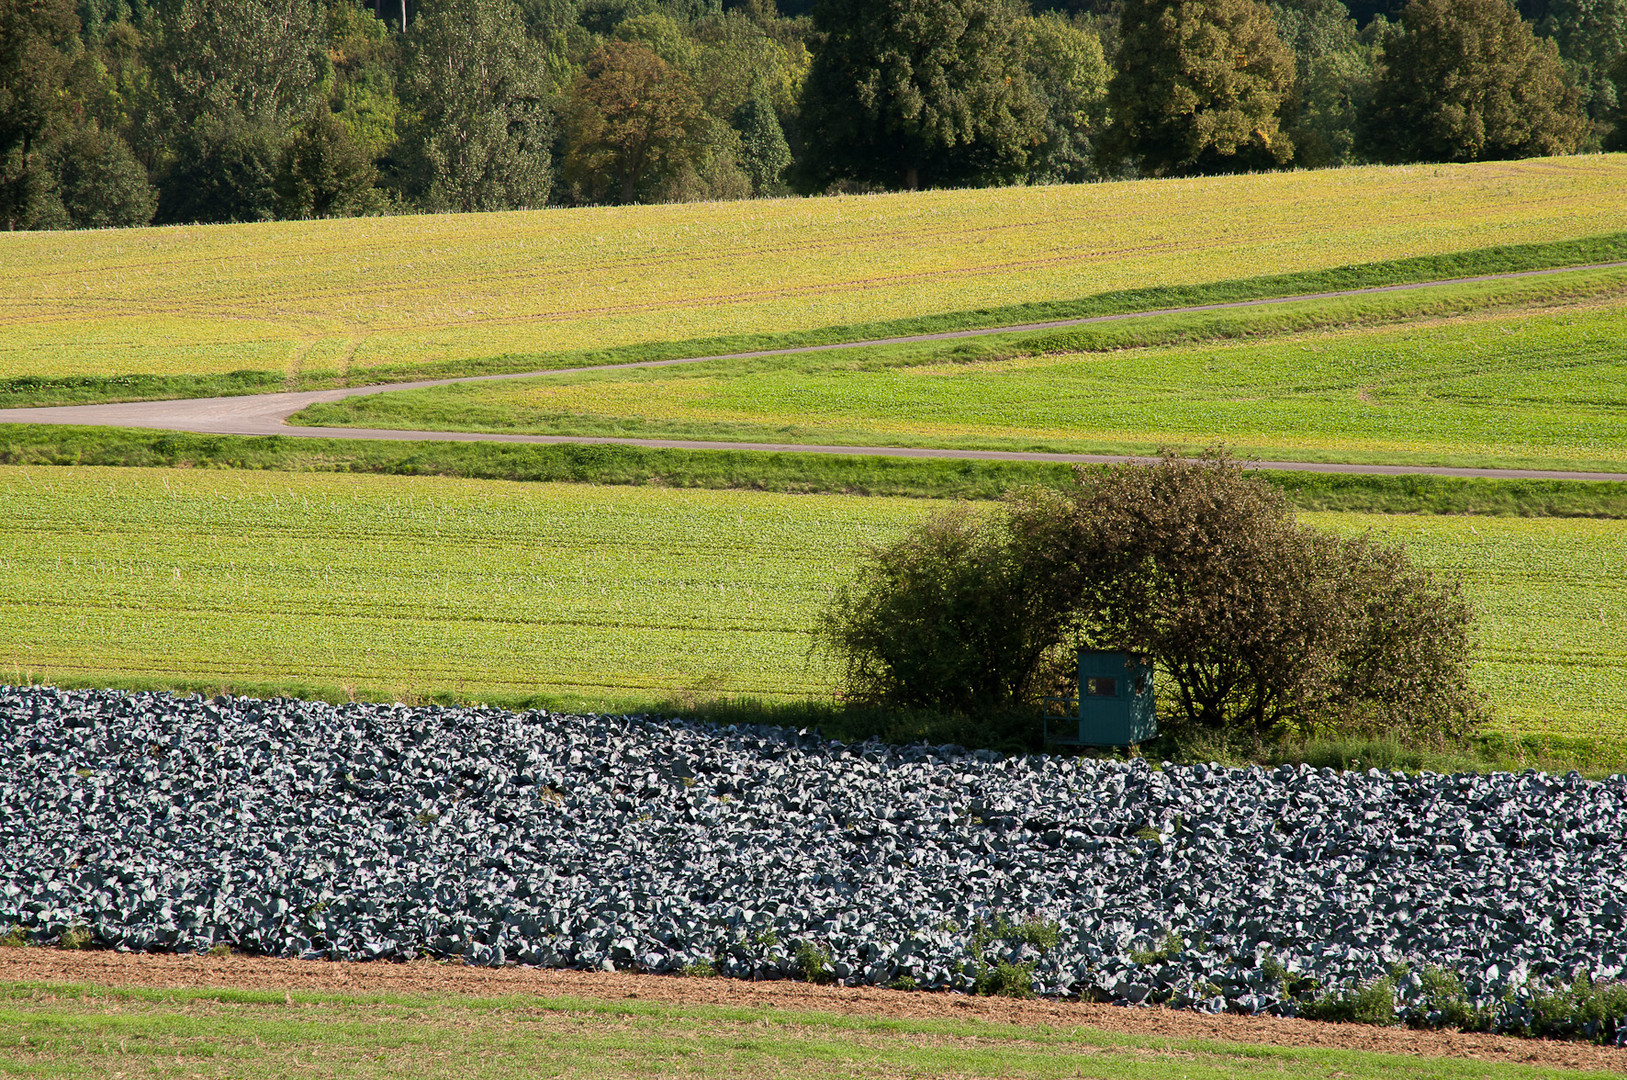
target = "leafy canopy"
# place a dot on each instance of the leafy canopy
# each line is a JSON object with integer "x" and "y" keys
{"x": 483, "y": 127}
{"x": 912, "y": 93}
{"x": 1200, "y": 87}
{"x": 1258, "y": 626}
{"x": 630, "y": 118}
{"x": 1467, "y": 80}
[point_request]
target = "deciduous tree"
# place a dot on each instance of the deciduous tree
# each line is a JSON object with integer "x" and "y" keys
{"x": 38, "y": 43}
{"x": 100, "y": 182}
{"x": 1259, "y": 627}
{"x": 1590, "y": 34}
{"x": 1467, "y": 80}
{"x": 1070, "y": 77}
{"x": 1199, "y": 87}
{"x": 483, "y": 129}
{"x": 912, "y": 93}
{"x": 324, "y": 173}
{"x": 258, "y": 60}
{"x": 764, "y": 154}
{"x": 630, "y": 118}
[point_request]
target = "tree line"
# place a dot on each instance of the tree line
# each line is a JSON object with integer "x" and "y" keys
{"x": 124, "y": 112}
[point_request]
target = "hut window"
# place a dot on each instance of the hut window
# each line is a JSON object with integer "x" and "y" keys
{"x": 1102, "y": 687}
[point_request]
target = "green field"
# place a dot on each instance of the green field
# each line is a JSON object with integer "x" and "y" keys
{"x": 610, "y": 597}
{"x": 50, "y": 1030}
{"x": 354, "y": 296}
{"x": 1530, "y": 373}
{"x": 404, "y": 587}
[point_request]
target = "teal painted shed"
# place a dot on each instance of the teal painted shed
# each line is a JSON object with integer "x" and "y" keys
{"x": 1114, "y": 705}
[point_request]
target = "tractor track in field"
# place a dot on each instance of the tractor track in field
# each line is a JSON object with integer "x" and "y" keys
{"x": 47, "y": 968}
{"x": 268, "y": 414}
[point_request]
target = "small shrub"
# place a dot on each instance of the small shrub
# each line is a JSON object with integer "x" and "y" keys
{"x": 813, "y": 963}
{"x": 1442, "y": 1002}
{"x": 74, "y": 937}
{"x": 1042, "y": 934}
{"x": 699, "y": 970}
{"x": 1293, "y": 985}
{"x": 14, "y": 938}
{"x": 1005, "y": 979}
{"x": 1588, "y": 1010}
{"x": 220, "y": 948}
{"x": 1172, "y": 946}
{"x": 947, "y": 618}
{"x": 903, "y": 982}
{"x": 1370, "y": 1004}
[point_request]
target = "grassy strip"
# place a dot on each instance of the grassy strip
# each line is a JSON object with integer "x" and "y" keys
{"x": 68, "y": 390}
{"x": 1503, "y": 374}
{"x": 932, "y": 478}
{"x": 53, "y": 1030}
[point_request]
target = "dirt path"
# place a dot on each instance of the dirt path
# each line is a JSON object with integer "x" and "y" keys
{"x": 267, "y": 414}
{"x": 260, "y": 973}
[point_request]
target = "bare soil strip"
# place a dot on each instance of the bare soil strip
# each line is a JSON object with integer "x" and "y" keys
{"x": 267, "y": 414}
{"x": 172, "y": 971}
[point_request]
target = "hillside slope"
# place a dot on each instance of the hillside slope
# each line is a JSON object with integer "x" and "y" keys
{"x": 349, "y": 295}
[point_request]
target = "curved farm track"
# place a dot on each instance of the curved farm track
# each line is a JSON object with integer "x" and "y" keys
{"x": 171, "y": 971}
{"x": 267, "y": 414}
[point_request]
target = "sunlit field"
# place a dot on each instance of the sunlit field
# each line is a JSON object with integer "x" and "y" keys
{"x": 349, "y": 295}
{"x": 1521, "y": 374}
{"x": 608, "y": 597}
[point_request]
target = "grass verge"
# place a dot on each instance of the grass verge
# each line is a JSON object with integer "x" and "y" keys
{"x": 1510, "y": 374}
{"x": 35, "y": 390}
{"x": 49, "y": 1030}
{"x": 745, "y": 470}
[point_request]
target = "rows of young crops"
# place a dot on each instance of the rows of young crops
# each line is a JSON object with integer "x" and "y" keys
{"x": 410, "y": 586}
{"x": 1543, "y": 380}
{"x": 325, "y": 295}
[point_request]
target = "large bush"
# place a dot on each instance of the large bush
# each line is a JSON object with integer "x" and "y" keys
{"x": 1258, "y": 625}
{"x": 950, "y": 617}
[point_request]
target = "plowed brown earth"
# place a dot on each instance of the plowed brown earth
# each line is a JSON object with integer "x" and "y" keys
{"x": 162, "y": 971}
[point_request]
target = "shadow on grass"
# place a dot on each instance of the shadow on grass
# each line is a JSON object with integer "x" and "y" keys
{"x": 1016, "y": 732}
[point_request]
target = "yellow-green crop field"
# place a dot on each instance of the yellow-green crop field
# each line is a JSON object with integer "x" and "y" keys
{"x": 1528, "y": 374}
{"x": 608, "y": 596}
{"x": 347, "y": 295}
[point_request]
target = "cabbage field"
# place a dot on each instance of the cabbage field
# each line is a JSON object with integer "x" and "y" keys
{"x": 302, "y": 829}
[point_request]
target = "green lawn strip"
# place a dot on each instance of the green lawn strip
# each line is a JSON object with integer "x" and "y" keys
{"x": 183, "y": 1032}
{"x": 1526, "y": 383}
{"x": 839, "y": 474}
{"x": 1611, "y": 247}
